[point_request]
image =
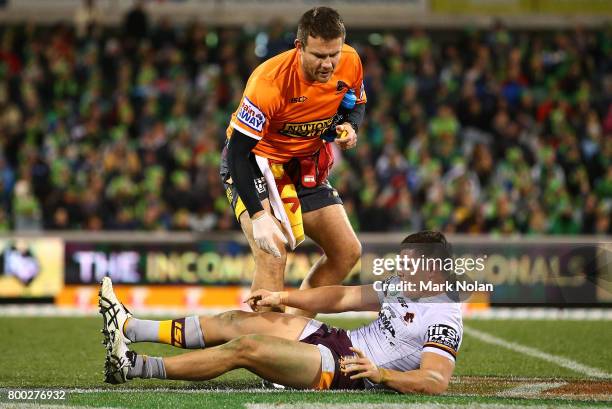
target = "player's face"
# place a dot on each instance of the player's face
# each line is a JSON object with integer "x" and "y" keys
{"x": 319, "y": 57}
{"x": 409, "y": 276}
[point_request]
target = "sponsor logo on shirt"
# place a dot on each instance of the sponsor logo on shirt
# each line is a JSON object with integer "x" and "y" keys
{"x": 444, "y": 335}
{"x": 306, "y": 129}
{"x": 260, "y": 185}
{"x": 250, "y": 115}
{"x": 297, "y": 100}
{"x": 384, "y": 322}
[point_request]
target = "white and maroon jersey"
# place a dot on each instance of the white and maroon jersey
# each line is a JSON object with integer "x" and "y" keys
{"x": 405, "y": 329}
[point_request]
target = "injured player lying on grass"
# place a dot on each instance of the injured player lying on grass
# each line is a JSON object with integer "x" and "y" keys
{"x": 410, "y": 347}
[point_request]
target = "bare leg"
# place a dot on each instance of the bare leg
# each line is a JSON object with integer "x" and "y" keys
{"x": 278, "y": 360}
{"x": 206, "y": 331}
{"x": 330, "y": 229}
{"x": 224, "y": 327}
{"x": 269, "y": 270}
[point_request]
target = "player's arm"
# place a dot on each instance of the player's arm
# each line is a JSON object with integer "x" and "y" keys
{"x": 238, "y": 150}
{"x": 327, "y": 299}
{"x": 355, "y": 117}
{"x": 350, "y": 127}
{"x": 431, "y": 378}
{"x": 265, "y": 230}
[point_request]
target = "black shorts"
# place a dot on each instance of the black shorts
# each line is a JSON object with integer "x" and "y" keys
{"x": 338, "y": 342}
{"x": 314, "y": 198}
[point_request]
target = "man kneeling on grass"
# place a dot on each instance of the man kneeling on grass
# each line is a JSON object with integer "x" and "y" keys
{"x": 410, "y": 347}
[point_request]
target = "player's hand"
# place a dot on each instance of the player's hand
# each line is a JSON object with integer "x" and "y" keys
{"x": 347, "y": 138}
{"x": 255, "y": 297}
{"x": 265, "y": 231}
{"x": 362, "y": 366}
{"x": 265, "y": 298}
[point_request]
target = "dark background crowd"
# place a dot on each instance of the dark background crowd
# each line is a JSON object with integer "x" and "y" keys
{"x": 467, "y": 131}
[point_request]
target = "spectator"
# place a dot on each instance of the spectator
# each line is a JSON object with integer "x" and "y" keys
{"x": 26, "y": 208}
{"x": 86, "y": 17}
{"x": 136, "y": 23}
{"x": 476, "y": 132}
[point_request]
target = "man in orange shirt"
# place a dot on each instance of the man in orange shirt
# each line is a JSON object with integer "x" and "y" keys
{"x": 289, "y": 104}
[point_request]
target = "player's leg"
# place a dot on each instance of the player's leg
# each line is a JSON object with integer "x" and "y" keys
{"x": 226, "y": 326}
{"x": 194, "y": 332}
{"x": 330, "y": 228}
{"x": 207, "y": 331}
{"x": 278, "y": 360}
{"x": 269, "y": 270}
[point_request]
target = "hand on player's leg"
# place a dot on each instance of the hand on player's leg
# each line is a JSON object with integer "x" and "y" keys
{"x": 265, "y": 298}
{"x": 265, "y": 232}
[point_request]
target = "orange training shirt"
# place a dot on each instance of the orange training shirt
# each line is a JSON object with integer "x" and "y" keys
{"x": 286, "y": 112}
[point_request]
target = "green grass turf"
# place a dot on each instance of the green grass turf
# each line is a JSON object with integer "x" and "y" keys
{"x": 587, "y": 342}
{"x": 237, "y": 400}
{"x": 66, "y": 353}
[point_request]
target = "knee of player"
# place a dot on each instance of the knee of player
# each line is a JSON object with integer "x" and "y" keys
{"x": 348, "y": 257}
{"x": 283, "y": 254}
{"x": 230, "y": 318}
{"x": 267, "y": 259}
{"x": 246, "y": 348}
{"x": 354, "y": 252}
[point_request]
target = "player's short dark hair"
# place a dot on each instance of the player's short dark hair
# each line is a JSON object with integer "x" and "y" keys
{"x": 429, "y": 243}
{"x": 320, "y": 22}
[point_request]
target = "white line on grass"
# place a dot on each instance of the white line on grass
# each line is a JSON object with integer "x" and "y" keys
{"x": 530, "y": 390}
{"x": 536, "y": 353}
{"x": 196, "y": 391}
{"x": 307, "y": 405}
{"x": 33, "y": 405}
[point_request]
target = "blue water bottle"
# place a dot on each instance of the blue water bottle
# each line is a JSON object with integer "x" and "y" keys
{"x": 346, "y": 106}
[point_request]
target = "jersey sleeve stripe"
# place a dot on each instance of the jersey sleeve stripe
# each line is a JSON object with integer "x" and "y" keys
{"x": 442, "y": 347}
{"x": 242, "y": 130}
{"x": 440, "y": 352}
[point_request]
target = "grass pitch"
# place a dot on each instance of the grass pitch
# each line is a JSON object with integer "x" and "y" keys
{"x": 66, "y": 354}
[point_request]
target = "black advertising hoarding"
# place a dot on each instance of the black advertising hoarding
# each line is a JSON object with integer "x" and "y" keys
{"x": 517, "y": 272}
{"x": 514, "y": 272}
{"x": 210, "y": 262}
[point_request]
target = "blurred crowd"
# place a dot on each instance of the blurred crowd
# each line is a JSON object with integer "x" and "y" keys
{"x": 467, "y": 131}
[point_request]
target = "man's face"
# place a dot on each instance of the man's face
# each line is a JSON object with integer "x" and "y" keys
{"x": 421, "y": 273}
{"x": 409, "y": 276}
{"x": 319, "y": 57}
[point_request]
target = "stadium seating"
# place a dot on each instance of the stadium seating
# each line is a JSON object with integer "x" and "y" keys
{"x": 467, "y": 131}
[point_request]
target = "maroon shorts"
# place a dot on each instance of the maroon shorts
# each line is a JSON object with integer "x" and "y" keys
{"x": 338, "y": 342}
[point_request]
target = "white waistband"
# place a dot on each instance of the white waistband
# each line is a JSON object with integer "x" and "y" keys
{"x": 310, "y": 328}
